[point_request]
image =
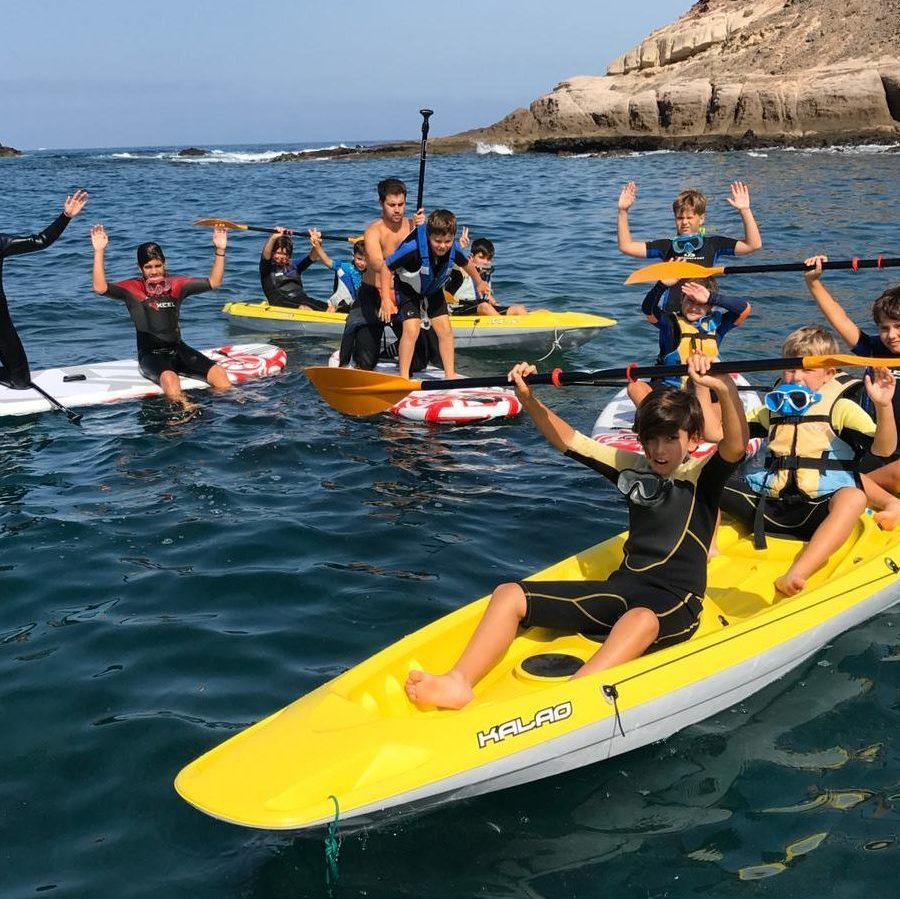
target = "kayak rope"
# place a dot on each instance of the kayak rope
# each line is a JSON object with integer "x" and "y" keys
{"x": 332, "y": 847}
{"x": 553, "y": 346}
{"x": 611, "y": 692}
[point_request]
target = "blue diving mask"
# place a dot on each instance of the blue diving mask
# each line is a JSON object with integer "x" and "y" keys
{"x": 791, "y": 399}
{"x": 683, "y": 244}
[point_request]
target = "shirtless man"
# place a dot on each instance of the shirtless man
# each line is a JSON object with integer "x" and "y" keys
{"x": 365, "y": 323}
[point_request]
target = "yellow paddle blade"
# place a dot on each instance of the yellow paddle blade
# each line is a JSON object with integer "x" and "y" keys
{"x": 211, "y": 223}
{"x": 671, "y": 271}
{"x": 845, "y": 360}
{"x": 356, "y": 392}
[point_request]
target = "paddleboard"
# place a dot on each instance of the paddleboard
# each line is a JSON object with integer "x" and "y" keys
{"x": 613, "y": 424}
{"x": 110, "y": 382}
{"x": 469, "y": 406}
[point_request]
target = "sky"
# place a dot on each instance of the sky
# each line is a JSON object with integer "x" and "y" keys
{"x": 95, "y": 73}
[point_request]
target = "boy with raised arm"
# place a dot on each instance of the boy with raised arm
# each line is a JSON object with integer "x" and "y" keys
{"x": 655, "y": 596}
{"x": 810, "y": 487}
{"x": 462, "y": 287}
{"x": 691, "y": 242}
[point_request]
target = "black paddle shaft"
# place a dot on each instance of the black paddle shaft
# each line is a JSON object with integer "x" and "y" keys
{"x": 620, "y": 375}
{"x": 420, "y": 194}
{"x": 803, "y": 267}
{"x": 291, "y": 232}
{"x": 73, "y": 417}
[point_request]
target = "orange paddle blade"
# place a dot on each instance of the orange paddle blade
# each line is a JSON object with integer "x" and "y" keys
{"x": 675, "y": 270}
{"x": 356, "y": 392}
{"x": 843, "y": 360}
{"x": 211, "y": 223}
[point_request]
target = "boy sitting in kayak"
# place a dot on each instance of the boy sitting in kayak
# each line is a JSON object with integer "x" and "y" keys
{"x": 281, "y": 279}
{"x": 347, "y": 275}
{"x": 422, "y": 264}
{"x": 810, "y": 487}
{"x": 655, "y": 596}
{"x": 154, "y": 303}
{"x": 691, "y": 242}
{"x": 706, "y": 316}
{"x": 462, "y": 287}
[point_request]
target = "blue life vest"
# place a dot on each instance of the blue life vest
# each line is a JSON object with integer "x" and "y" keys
{"x": 431, "y": 281}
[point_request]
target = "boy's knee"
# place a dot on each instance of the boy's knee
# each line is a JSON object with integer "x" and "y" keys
{"x": 510, "y": 596}
{"x": 851, "y": 499}
{"x": 643, "y": 621}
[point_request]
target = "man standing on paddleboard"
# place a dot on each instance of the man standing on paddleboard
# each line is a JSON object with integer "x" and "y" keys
{"x": 14, "y": 370}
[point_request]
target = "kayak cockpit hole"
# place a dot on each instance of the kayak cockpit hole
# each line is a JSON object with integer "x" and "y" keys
{"x": 548, "y": 665}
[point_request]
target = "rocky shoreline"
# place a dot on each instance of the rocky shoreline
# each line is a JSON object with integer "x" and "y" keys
{"x": 9, "y": 151}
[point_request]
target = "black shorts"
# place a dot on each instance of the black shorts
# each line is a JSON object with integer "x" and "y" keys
{"x": 181, "y": 358}
{"x": 470, "y": 307}
{"x": 593, "y": 607}
{"x": 411, "y": 306}
{"x": 794, "y": 517}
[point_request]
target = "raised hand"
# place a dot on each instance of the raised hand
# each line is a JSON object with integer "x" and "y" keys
{"x": 697, "y": 292}
{"x": 419, "y": 217}
{"x": 881, "y": 388}
{"x": 698, "y": 368}
{"x": 99, "y": 237}
{"x": 75, "y": 203}
{"x": 464, "y": 238}
{"x": 516, "y": 376}
{"x": 740, "y": 195}
{"x": 815, "y": 272}
{"x": 220, "y": 237}
{"x": 627, "y": 196}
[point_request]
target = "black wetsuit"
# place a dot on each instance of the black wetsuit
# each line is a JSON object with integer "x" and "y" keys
{"x": 284, "y": 286}
{"x": 14, "y": 371}
{"x": 155, "y": 317}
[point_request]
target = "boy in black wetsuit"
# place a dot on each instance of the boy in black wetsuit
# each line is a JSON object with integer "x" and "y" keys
{"x": 282, "y": 281}
{"x": 14, "y": 370}
{"x": 154, "y": 303}
{"x": 482, "y": 255}
{"x": 654, "y": 598}
{"x": 691, "y": 242}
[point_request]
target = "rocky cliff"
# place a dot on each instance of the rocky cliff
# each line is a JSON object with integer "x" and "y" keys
{"x": 731, "y": 73}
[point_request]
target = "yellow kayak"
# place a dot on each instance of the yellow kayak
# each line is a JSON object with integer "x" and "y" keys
{"x": 359, "y": 739}
{"x": 536, "y": 329}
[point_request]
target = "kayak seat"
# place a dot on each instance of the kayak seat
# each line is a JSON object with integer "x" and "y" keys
{"x": 548, "y": 665}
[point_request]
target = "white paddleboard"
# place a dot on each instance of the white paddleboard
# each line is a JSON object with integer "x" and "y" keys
{"x": 110, "y": 382}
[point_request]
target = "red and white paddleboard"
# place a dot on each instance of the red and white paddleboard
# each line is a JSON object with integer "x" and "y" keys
{"x": 112, "y": 382}
{"x": 613, "y": 424}
{"x": 458, "y": 407}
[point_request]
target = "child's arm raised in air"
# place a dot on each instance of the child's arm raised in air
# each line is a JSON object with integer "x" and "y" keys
{"x": 735, "y": 433}
{"x": 627, "y": 245}
{"x": 740, "y": 200}
{"x": 830, "y": 307}
{"x": 881, "y": 392}
{"x": 558, "y": 432}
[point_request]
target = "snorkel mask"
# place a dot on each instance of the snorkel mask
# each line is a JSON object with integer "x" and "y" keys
{"x": 791, "y": 399}
{"x": 683, "y": 244}
{"x": 157, "y": 287}
{"x": 642, "y": 487}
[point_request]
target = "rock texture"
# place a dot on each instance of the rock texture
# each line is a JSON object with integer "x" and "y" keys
{"x": 730, "y": 73}
{"x": 9, "y": 151}
{"x": 194, "y": 151}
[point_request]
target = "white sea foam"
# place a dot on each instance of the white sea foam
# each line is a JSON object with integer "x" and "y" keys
{"x": 499, "y": 149}
{"x": 216, "y": 156}
{"x": 757, "y": 155}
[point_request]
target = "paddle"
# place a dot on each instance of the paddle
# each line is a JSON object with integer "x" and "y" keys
{"x": 73, "y": 417}
{"x": 238, "y": 226}
{"x": 678, "y": 270}
{"x": 420, "y": 195}
{"x": 356, "y": 392}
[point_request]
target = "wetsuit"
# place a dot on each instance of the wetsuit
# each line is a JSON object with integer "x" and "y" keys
{"x": 14, "y": 371}
{"x": 462, "y": 286}
{"x": 664, "y": 557}
{"x": 702, "y": 249}
{"x": 284, "y": 286}
{"x": 159, "y": 343}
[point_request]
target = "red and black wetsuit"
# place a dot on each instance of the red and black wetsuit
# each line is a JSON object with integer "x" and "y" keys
{"x": 159, "y": 343}
{"x": 14, "y": 371}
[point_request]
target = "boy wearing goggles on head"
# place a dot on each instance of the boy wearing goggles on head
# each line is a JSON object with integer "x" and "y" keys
{"x": 810, "y": 487}
{"x": 654, "y": 598}
{"x": 691, "y": 242}
{"x": 462, "y": 288}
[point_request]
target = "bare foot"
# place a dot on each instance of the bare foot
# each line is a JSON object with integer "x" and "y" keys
{"x": 889, "y": 517}
{"x": 790, "y": 584}
{"x": 446, "y": 691}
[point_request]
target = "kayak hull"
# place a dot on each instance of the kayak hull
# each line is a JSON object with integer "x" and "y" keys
{"x": 537, "y": 329}
{"x": 358, "y": 737}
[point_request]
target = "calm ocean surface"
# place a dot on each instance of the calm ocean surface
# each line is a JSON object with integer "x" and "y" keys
{"x": 162, "y": 586}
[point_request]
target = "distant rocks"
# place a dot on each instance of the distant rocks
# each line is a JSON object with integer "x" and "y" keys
{"x": 405, "y": 148}
{"x": 194, "y": 151}
{"x": 730, "y": 73}
{"x": 9, "y": 151}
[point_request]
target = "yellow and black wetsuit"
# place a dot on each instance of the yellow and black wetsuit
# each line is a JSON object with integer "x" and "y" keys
{"x": 665, "y": 556}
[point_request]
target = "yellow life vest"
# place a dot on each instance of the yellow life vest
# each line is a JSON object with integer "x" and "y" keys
{"x": 692, "y": 339}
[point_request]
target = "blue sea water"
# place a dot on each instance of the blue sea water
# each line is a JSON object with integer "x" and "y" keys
{"x": 164, "y": 585}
